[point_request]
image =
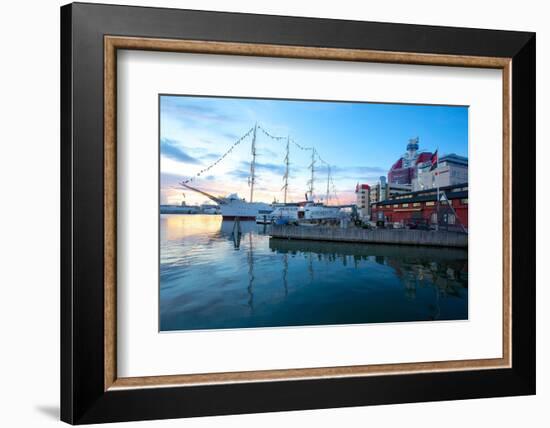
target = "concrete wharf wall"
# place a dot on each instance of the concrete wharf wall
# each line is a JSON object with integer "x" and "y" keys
{"x": 376, "y": 236}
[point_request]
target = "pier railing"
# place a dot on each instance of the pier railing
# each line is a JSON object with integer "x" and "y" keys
{"x": 376, "y": 236}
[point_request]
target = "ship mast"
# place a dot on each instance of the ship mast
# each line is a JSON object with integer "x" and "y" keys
{"x": 253, "y": 163}
{"x": 287, "y": 163}
{"x": 312, "y": 166}
{"x": 328, "y": 184}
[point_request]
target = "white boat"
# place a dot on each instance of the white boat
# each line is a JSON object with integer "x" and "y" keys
{"x": 299, "y": 211}
{"x": 318, "y": 211}
{"x": 280, "y": 211}
{"x": 233, "y": 207}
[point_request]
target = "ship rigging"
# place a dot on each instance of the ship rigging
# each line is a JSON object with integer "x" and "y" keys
{"x": 232, "y": 206}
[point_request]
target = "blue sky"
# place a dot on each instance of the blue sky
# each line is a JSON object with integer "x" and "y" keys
{"x": 359, "y": 140}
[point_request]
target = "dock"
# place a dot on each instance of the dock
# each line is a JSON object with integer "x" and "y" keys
{"x": 375, "y": 236}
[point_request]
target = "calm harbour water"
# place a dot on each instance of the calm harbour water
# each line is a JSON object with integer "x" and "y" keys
{"x": 209, "y": 280}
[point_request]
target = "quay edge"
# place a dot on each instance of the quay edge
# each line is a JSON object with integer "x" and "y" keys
{"x": 376, "y": 236}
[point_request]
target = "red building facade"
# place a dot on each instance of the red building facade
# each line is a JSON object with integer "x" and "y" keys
{"x": 405, "y": 168}
{"x": 421, "y": 208}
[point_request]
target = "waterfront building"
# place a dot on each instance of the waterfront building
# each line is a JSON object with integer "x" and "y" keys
{"x": 362, "y": 192}
{"x": 420, "y": 208}
{"x": 394, "y": 189}
{"x": 404, "y": 169}
{"x": 384, "y": 190}
{"x": 414, "y": 172}
{"x": 374, "y": 194}
{"x": 367, "y": 194}
{"x": 451, "y": 169}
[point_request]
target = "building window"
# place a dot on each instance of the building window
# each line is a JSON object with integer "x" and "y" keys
{"x": 405, "y": 205}
{"x": 396, "y": 205}
{"x": 451, "y": 219}
{"x": 430, "y": 203}
{"x": 464, "y": 201}
{"x": 416, "y": 204}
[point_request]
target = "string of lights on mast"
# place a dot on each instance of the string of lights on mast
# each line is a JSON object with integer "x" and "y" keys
{"x": 315, "y": 157}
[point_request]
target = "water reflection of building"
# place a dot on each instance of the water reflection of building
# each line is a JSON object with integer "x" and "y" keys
{"x": 445, "y": 270}
{"x": 448, "y": 276}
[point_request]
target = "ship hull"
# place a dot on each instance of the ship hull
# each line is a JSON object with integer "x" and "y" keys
{"x": 235, "y": 217}
{"x": 242, "y": 210}
{"x": 322, "y": 213}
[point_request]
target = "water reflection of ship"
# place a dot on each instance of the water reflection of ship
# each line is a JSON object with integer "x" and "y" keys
{"x": 226, "y": 227}
{"x": 234, "y": 231}
{"x": 250, "y": 259}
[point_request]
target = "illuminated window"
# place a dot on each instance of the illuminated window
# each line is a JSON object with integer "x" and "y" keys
{"x": 464, "y": 201}
{"x": 416, "y": 204}
{"x": 396, "y": 205}
{"x": 430, "y": 203}
{"x": 405, "y": 205}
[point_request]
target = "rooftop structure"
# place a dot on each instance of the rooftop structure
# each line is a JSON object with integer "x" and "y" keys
{"x": 451, "y": 169}
{"x": 404, "y": 169}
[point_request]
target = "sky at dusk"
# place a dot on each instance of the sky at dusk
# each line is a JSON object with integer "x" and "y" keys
{"x": 360, "y": 141}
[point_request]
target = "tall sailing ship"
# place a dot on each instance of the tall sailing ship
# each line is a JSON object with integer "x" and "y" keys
{"x": 232, "y": 206}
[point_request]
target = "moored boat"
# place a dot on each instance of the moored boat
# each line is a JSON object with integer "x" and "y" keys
{"x": 233, "y": 207}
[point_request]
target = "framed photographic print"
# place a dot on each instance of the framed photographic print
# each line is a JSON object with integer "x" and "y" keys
{"x": 266, "y": 213}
